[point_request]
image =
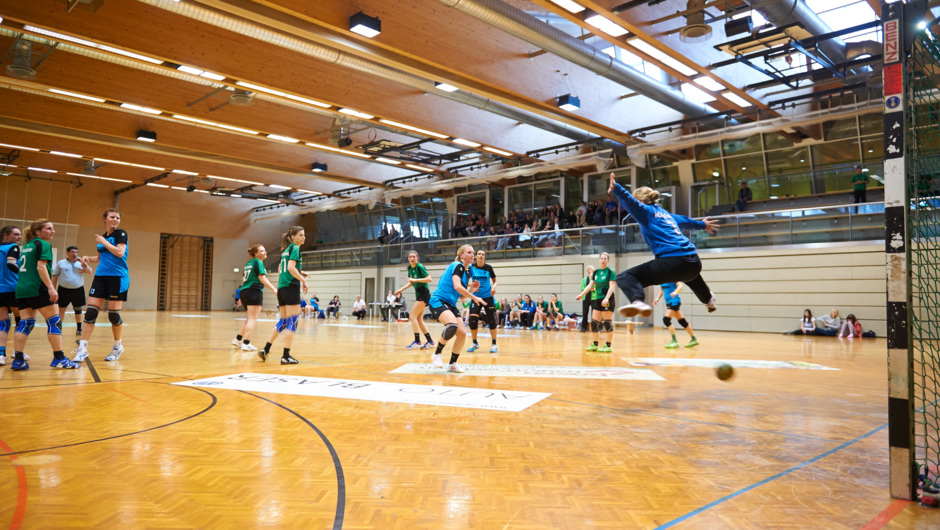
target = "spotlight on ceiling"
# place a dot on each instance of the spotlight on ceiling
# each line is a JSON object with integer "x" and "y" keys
{"x": 190, "y": 188}
{"x": 569, "y": 102}
{"x": 365, "y": 25}
{"x": 146, "y": 136}
{"x": 22, "y": 68}
{"x": 318, "y": 167}
{"x": 739, "y": 26}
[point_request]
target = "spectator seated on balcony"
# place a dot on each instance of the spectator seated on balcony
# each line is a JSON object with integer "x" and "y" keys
{"x": 553, "y": 235}
{"x": 744, "y": 196}
{"x": 610, "y": 210}
{"x": 383, "y": 237}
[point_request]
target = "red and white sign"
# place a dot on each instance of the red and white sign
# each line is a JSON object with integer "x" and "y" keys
{"x": 892, "y": 44}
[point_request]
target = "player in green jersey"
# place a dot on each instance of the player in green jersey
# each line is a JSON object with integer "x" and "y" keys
{"x": 419, "y": 278}
{"x": 252, "y": 295}
{"x": 603, "y": 286}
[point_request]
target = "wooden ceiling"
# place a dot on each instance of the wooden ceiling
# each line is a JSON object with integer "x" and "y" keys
{"x": 422, "y": 41}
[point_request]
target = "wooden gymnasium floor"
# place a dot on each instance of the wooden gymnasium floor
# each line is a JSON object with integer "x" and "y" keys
{"x": 772, "y": 448}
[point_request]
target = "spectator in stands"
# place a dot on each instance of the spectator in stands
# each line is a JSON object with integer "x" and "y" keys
{"x": 859, "y": 184}
{"x": 610, "y": 210}
{"x": 581, "y": 215}
{"x": 333, "y": 307}
{"x": 492, "y": 239}
{"x": 393, "y": 234}
{"x": 359, "y": 308}
{"x": 553, "y": 234}
{"x": 383, "y": 237}
{"x": 829, "y": 325}
{"x": 599, "y": 216}
{"x": 744, "y": 196}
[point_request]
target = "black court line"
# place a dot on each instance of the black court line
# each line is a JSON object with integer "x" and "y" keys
{"x": 214, "y": 401}
{"x": 337, "y": 466}
{"x": 94, "y": 373}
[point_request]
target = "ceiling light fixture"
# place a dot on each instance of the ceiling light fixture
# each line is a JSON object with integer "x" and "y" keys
{"x": 214, "y": 124}
{"x": 189, "y": 69}
{"x": 236, "y": 180}
{"x": 19, "y": 147}
{"x": 365, "y": 25}
{"x": 318, "y": 167}
{"x": 74, "y": 95}
{"x": 146, "y": 136}
{"x": 569, "y": 5}
{"x": 183, "y": 172}
{"x": 467, "y": 143}
{"x": 131, "y": 106}
{"x": 287, "y": 139}
{"x": 155, "y": 185}
{"x": 604, "y": 24}
{"x": 85, "y": 175}
{"x": 445, "y": 87}
{"x": 413, "y": 128}
{"x": 569, "y": 102}
{"x": 278, "y": 186}
{"x": 497, "y": 151}
{"x": 60, "y": 153}
{"x": 389, "y": 161}
{"x": 357, "y": 114}
{"x": 43, "y": 170}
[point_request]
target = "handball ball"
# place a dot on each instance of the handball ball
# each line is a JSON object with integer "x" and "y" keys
{"x": 724, "y": 372}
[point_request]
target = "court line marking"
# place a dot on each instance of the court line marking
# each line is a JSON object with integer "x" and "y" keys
{"x": 337, "y": 465}
{"x": 886, "y": 515}
{"x": 742, "y": 491}
{"x": 94, "y": 373}
{"x": 22, "y": 491}
{"x": 214, "y": 401}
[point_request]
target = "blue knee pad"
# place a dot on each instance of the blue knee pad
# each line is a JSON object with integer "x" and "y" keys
{"x": 115, "y": 318}
{"x": 53, "y": 325}
{"x": 292, "y": 323}
{"x": 26, "y": 326}
{"x": 91, "y": 314}
{"x": 281, "y": 325}
{"x": 5, "y": 325}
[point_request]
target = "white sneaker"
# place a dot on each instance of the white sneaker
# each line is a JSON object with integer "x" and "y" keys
{"x": 636, "y": 308}
{"x": 80, "y": 354}
{"x": 3, "y": 360}
{"x": 455, "y": 368}
{"x": 115, "y": 353}
{"x": 236, "y": 342}
{"x": 437, "y": 360}
{"x": 248, "y": 347}
{"x": 711, "y": 304}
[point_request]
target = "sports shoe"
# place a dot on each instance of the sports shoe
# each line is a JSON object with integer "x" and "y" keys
{"x": 3, "y": 359}
{"x": 493, "y": 349}
{"x": 287, "y": 359}
{"x": 473, "y": 348}
{"x": 248, "y": 347}
{"x": 115, "y": 353}
{"x": 19, "y": 365}
{"x": 64, "y": 363}
{"x": 414, "y": 345}
{"x": 555, "y": 328}
{"x": 672, "y": 344}
{"x": 263, "y": 353}
{"x": 592, "y": 347}
{"x": 437, "y": 360}
{"x": 455, "y": 368}
{"x": 428, "y": 345}
{"x": 604, "y": 349}
{"x": 711, "y": 304}
{"x": 236, "y": 342}
{"x": 80, "y": 354}
{"x": 636, "y": 308}
{"x": 693, "y": 342}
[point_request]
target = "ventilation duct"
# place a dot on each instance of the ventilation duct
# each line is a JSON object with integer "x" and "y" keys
{"x": 241, "y": 97}
{"x": 22, "y": 61}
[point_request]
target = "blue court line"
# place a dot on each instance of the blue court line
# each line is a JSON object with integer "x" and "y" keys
{"x": 695, "y": 512}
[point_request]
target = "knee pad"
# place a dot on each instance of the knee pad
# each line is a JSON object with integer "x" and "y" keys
{"x": 53, "y": 325}
{"x": 491, "y": 320}
{"x": 667, "y": 321}
{"x": 607, "y": 326}
{"x": 5, "y": 325}
{"x": 292, "y": 323}
{"x": 594, "y": 326}
{"x": 91, "y": 315}
{"x": 25, "y": 326}
{"x": 683, "y": 322}
{"x": 78, "y": 310}
{"x": 114, "y": 317}
{"x": 449, "y": 331}
{"x": 281, "y": 325}
{"x": 473, "y": 321}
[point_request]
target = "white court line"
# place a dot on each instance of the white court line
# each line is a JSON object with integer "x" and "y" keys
{"x": 564, "y": 372}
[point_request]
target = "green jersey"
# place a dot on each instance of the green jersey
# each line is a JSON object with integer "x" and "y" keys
{"x": 417, "y": 272}
{"x": 254, "y": 270}
{"x": 584, "y": 283}
{"x": 859, "y": 181}
{"x": 558, "y": 306}
{"x": 602, "y": 279}
{"x": 543, "y": 305}
{"x": 291, "y": 253}
{"x": 29, "y": 283}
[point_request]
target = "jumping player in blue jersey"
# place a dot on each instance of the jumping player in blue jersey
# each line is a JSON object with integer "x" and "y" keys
{"x": 670, "y": 291}
{"x": 110, "y": 285}
{"x": 443, "y": 306}
{"x": 9, "y": 269}
{"x": 675, "y": 257}
{"x": 482, "y": 273}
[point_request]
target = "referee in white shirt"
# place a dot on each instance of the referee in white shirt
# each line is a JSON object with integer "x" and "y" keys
{"x": 68, "y": 281}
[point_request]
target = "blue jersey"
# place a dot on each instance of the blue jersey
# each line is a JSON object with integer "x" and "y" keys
{"x": 445, "y": 291}
{"x": 483, "y": 275}
{"x": 7, "y": 275}
{"x": 111, "y": 265}
{"x": 659, "y": 228}
{"x": 668, "y": 289}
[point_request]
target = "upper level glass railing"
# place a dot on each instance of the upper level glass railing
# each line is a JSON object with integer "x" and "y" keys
{"x": 856, "y": 222}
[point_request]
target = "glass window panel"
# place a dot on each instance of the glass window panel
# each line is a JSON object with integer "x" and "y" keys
{"x": 873, "y": 149}
{"x": 546, "y": 194}
{"x": 474, "y": 203}
{"x": 830, "y": 153}
{"x": 744, "y": 167}
{"x": 573, "y": 192}
{"x": 784, "y": 161}
{"x": 707, "y": 151}
{"x": 644, "y": 177}
{"x": 658, "y": 161}
{"x": 710, "y": 170}
{"x": 835, "y": 129}
{"x": 665, "y": 176}
{"x": 871, "y": 123}
{"x": 777, "y": 140}
{"x": 740, "y": 146}
{"x": 520, "y": 197}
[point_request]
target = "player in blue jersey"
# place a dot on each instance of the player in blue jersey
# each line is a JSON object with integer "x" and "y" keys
{"x": 676, "y": 259}
{"x": 110, "y": 285}
{"x": 670, "y": 291}
{"x": 443, "y": 306}
{"x": 10, "y": 237}
{"x": 482, "y": 273}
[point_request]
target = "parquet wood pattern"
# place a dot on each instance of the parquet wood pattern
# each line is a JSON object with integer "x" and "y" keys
{"x": 134, "y": 451}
